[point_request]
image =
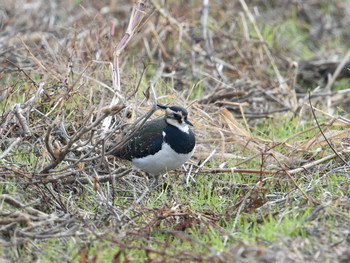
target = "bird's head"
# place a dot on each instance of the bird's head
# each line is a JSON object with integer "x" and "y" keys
{"x": 176, "y": 116}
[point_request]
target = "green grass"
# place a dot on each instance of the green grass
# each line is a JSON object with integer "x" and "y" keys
{"x": 284, "y": 127}
{"x": 287, "y": 225}
{"x": 341, "y": 85}
{"x": 208, "y": 195}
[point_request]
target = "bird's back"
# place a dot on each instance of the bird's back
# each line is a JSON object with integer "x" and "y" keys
{"x": 146, "y": 141}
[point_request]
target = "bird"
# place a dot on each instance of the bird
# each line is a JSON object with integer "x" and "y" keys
{"x": 160, "y": 145}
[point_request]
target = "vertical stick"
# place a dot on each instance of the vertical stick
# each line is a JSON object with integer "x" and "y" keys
{"x": 135, "y": 19}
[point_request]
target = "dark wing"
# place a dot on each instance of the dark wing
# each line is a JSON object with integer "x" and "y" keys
{"x": 147, "y": 141}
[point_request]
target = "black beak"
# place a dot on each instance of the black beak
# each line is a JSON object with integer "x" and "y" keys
{"x": 188, "y": 122}
{"x": 162, "y": 106}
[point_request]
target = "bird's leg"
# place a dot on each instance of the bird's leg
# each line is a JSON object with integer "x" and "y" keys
{"x": 155, "y": 180}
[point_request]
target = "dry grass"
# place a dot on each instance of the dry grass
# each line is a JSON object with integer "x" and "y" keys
{"x": 246, "y": 88}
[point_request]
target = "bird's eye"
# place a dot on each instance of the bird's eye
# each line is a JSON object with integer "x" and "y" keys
{"x": 178, "y": 117}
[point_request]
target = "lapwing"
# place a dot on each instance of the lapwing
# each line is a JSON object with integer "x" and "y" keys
{"x": 161, "y": 145}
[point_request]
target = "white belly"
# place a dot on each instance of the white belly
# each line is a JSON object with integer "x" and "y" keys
{"x": 164, "y": 160}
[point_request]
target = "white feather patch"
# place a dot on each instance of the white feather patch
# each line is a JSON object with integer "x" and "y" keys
{"x": 164, "y": 160}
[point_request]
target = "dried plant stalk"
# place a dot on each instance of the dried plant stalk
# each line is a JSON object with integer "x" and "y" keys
{"x": 134, "y": 22}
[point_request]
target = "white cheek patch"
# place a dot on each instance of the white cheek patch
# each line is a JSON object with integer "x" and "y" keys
{"x": 182, "y": 127}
